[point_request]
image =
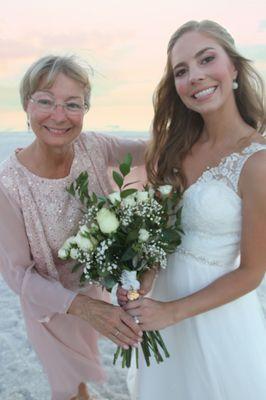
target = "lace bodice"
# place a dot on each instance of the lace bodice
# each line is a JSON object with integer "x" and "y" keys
{"x": 211, "y": 214}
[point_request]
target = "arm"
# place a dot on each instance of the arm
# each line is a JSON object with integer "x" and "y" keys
{"x": 42, "y": 297}
{"x": 156, "y": 315}
{"x": 118, "y": 147}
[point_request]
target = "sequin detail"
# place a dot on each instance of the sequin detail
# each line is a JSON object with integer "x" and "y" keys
{"x": 199, "y": 258}
{"x": 51, "y": 215}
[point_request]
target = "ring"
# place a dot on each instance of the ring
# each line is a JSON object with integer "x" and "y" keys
{"x": 136, "y": 319}
{"x": 117, "y": 333}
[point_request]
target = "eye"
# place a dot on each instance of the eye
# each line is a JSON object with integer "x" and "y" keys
{"x": 207, "y": 59}
{"x": 45, "y": 102}
{"x": 179, "y": 73}
{"x": 72, "y": 106}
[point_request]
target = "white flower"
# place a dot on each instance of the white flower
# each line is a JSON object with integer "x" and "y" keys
{"x": 67, "y": 245}
{"x": 165, "y": 190}
{"x": 130, "y": 200}
{"x": 63, "y": 253}
{"x": 142, "y": 196}
{"x": 107, "y": 221}
{"x": 74, "y": 254}
{"x": 114, "y": 197}
{"x": 83, "y": 243}
{"x": 84, "y": 229}
{"x": 143, "y": 235}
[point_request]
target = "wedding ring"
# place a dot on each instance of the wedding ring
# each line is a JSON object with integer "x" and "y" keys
{"x": 136, "y": 319}
{"x": 117, "y": 333}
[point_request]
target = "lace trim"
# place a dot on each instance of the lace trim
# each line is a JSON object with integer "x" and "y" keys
{"x": 230, "y": 167}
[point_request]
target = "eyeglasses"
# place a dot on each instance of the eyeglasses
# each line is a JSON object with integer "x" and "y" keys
{"x": 48, "y": 105}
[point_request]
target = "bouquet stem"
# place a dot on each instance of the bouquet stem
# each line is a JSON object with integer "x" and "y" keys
{"x": 152, "y": 344}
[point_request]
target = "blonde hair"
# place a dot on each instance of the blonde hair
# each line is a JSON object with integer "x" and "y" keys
{"x": 48, "y": 68}
{"x": 176, "y": 128}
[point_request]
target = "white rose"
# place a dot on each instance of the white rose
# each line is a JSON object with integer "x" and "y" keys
{"x": 130, "y": 200}
{"x": 84, "y": 229}
{"x": 67, "y": 245}
{"x": 165, "y": 190}
{"x": 63, "y": 253}
{"x": 142, "y": 196}
{"x": 143, "y": 235}
{"x": 114, "y": 197}
{"x": 107, "y": 221}
{"x": 83, "y": 243}
{"x": 74, "y": 254}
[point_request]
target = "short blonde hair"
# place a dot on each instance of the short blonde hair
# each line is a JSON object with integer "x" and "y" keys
{"x": 48, "y": 68}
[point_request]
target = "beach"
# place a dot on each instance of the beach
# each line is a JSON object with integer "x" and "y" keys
{"x": 21, "y": 377}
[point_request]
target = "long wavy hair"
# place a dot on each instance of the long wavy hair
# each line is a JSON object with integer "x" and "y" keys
{"x": 176, "y": 128}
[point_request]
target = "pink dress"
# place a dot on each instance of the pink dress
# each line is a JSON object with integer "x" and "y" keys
{"x": 37, "y": 216}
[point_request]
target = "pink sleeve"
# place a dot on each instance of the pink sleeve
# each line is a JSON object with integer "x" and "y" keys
{"x": 117, "y": 148}
{"x": 43, "y": 297}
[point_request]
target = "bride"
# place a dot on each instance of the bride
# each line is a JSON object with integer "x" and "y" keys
{"x": 207, "y": 139}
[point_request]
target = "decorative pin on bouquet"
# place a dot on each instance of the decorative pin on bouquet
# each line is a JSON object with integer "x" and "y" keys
{"x": 121, "y": 236}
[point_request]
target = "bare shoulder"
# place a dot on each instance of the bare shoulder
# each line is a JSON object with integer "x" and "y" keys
{"x": 253, "y": 176}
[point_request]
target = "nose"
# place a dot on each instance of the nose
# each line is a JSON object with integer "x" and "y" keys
{"x": 58, "y": 114}
{"x": 195, "y": 75}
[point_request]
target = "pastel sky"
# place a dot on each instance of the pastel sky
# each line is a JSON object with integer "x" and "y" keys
{"x": 125, "y": 43}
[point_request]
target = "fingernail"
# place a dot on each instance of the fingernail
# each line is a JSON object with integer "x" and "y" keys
{"x": 136, "y": 345}
{"x": 125, "y": 347}
{"x": 140, "y": 333}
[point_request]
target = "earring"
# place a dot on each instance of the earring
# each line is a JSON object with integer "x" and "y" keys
{"x": 234, "y": 85}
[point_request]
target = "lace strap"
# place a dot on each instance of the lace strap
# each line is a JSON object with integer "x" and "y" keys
{"x": 239, "y": 162}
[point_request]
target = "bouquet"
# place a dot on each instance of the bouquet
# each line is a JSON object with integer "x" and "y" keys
{"x": 121, "y": 236}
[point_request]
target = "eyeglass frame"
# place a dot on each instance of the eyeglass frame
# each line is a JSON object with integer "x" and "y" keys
{"x": 84, "y": 110}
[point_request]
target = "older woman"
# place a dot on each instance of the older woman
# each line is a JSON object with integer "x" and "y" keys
{"x": 37, "y": 215}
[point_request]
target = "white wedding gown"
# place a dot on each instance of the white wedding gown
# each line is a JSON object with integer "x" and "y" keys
{"x": 220, "y": 354}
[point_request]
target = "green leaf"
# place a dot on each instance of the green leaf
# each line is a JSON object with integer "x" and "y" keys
{"x": 127, "y": 192}
{"x": 128, "y": 159}
{"x": 128, "y": 254}
{"x": 119, "y": 180}
{"x": 109, "y": 282}
{"x": 76, "y": 267}
{"x": 124, "y": 169}
{"x": 71, "y": 189}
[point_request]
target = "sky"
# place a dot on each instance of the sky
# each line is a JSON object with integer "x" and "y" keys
{"x": 123, "y": 41}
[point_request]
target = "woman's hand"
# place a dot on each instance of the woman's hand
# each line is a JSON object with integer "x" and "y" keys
{"x": 152, "y": 314}
{"x": 111, "y": 321}
{"x": 146, "y": 282}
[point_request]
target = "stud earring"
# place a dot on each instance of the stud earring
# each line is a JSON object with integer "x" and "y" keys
{"x": 234, "y": 85}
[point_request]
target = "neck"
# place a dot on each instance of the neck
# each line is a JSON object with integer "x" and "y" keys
{"x": 225, "y": 127}
{"x": 48, "y": 161}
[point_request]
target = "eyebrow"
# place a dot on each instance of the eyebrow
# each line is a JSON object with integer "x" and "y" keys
{"x": 51, "y": 94}
{"x": 198, "y": 54}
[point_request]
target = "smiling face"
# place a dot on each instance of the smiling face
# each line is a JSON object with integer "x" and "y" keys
{"x": 203, "y": 73}
{"x": 57, "y": 127}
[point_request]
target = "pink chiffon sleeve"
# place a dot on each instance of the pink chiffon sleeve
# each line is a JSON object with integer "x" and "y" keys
{"x": 114, "y": 149}
{"x": 43, "y": 296}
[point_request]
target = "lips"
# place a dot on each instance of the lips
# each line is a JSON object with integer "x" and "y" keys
{"x": 204, "y": 92}
{"x": 57, "y": 131}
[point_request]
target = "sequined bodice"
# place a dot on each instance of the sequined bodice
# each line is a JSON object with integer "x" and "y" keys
{"x": 51, "y": 215}
{"x": 211, "y": 213}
